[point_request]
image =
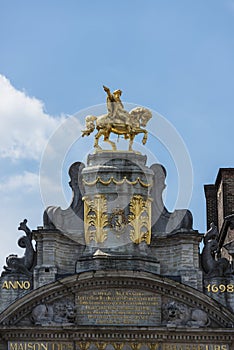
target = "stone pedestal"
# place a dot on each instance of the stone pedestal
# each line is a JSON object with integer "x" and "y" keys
{"x": 117, "y": 205}
{"x": 132, "y": 257}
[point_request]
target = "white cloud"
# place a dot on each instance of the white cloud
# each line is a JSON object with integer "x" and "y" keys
{"x": 24, "y": 126}
{"x": 27, "y": 181}
{"x": 28, "y": 135}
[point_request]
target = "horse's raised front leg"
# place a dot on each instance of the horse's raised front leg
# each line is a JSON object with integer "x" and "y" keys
{"x": 145, "y": 137}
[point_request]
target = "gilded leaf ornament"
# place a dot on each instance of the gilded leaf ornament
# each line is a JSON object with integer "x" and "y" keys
{"x": 95, "y": 218}
{"x": 140, "y": 219}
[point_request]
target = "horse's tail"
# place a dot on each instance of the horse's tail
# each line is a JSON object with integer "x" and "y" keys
{"x": 90, "y": 125}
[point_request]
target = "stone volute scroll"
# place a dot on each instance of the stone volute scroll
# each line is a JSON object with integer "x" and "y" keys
{"x": 71, "y": 219}
{"x": 165, "y": 222}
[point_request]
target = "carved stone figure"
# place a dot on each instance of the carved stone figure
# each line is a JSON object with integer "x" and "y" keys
{"x": 64, "y": 311}
{"x": 177, "y": 314}
{"x": 212, "y": 265}
{"x": 72, "y": 218}
{"x": 25, "y": 264}
{"x": 115, "y": 107}
{"x": 118, "y": 121}
{"x": 61, "y": 311}
{"x": 163, "y": 220}
{"x": 42, "y": 314}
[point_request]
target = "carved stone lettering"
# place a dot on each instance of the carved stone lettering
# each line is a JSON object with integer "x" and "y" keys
{"x": 60, "y": 345}
{"x": 118, "y": 306}
{"x": 194, "y": 347}
{"x": 16, "y": 285}
{"x": 40, "y": 345}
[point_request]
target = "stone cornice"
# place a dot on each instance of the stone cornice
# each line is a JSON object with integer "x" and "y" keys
{"x": 149, "y": 334}
{"x": 181, "y": 236}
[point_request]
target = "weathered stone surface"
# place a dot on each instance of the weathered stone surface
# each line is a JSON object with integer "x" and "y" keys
{"x": 13, "y": 287}
{"x": 220, "y": 289}
{"x": 46, "y": 303}
{"x": 123, "y": 279}
{"x": 178, "y": 256}
{"x": 118, "y": 262}
{"x": 57, "y": 255}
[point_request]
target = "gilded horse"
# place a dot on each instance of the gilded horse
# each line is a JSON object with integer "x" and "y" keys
{"x": 134, "y": 124}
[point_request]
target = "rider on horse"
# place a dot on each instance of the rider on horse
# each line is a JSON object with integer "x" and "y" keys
{"x": 116, "y": 111}
{"x": 117, "y": 121}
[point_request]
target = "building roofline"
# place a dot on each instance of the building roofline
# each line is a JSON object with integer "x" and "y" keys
{"x": 228, "y": 220}
{"x": 219, "y": 175}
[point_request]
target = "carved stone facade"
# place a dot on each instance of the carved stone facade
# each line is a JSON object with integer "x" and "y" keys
{"x": 117, "y": 270}
{"x": 145, "y": 308}
{"x": 219, "y": 241}
{"x": 220, "y": 197}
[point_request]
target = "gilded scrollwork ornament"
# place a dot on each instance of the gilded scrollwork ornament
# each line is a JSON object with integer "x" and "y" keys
{"x": 95, "y": 218}
{"x": 102, "y": 345}
{"x": 153, "y": 346}
{"x": 84, "y": 345}
{"x": 118, "y": 346}
{"x": 140, "y": 219}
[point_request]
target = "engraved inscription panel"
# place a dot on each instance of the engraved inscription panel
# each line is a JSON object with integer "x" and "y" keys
{"x": 63, "y": 345}
{"x": 118, "y": 307}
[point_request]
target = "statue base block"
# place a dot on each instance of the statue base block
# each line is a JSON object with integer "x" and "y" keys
{"x": 117, "y": 202}
{"x": 117, "y": 263}
{"x": 104, "y": 261}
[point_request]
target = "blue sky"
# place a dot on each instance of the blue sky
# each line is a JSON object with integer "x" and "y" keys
{"x": 174, "y": 56}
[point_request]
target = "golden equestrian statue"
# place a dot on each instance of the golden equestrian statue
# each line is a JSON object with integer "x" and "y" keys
{"x": 118, "y": 121}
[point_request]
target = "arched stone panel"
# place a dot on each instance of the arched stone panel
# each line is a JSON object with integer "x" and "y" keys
{"x": 61, "y": 303}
